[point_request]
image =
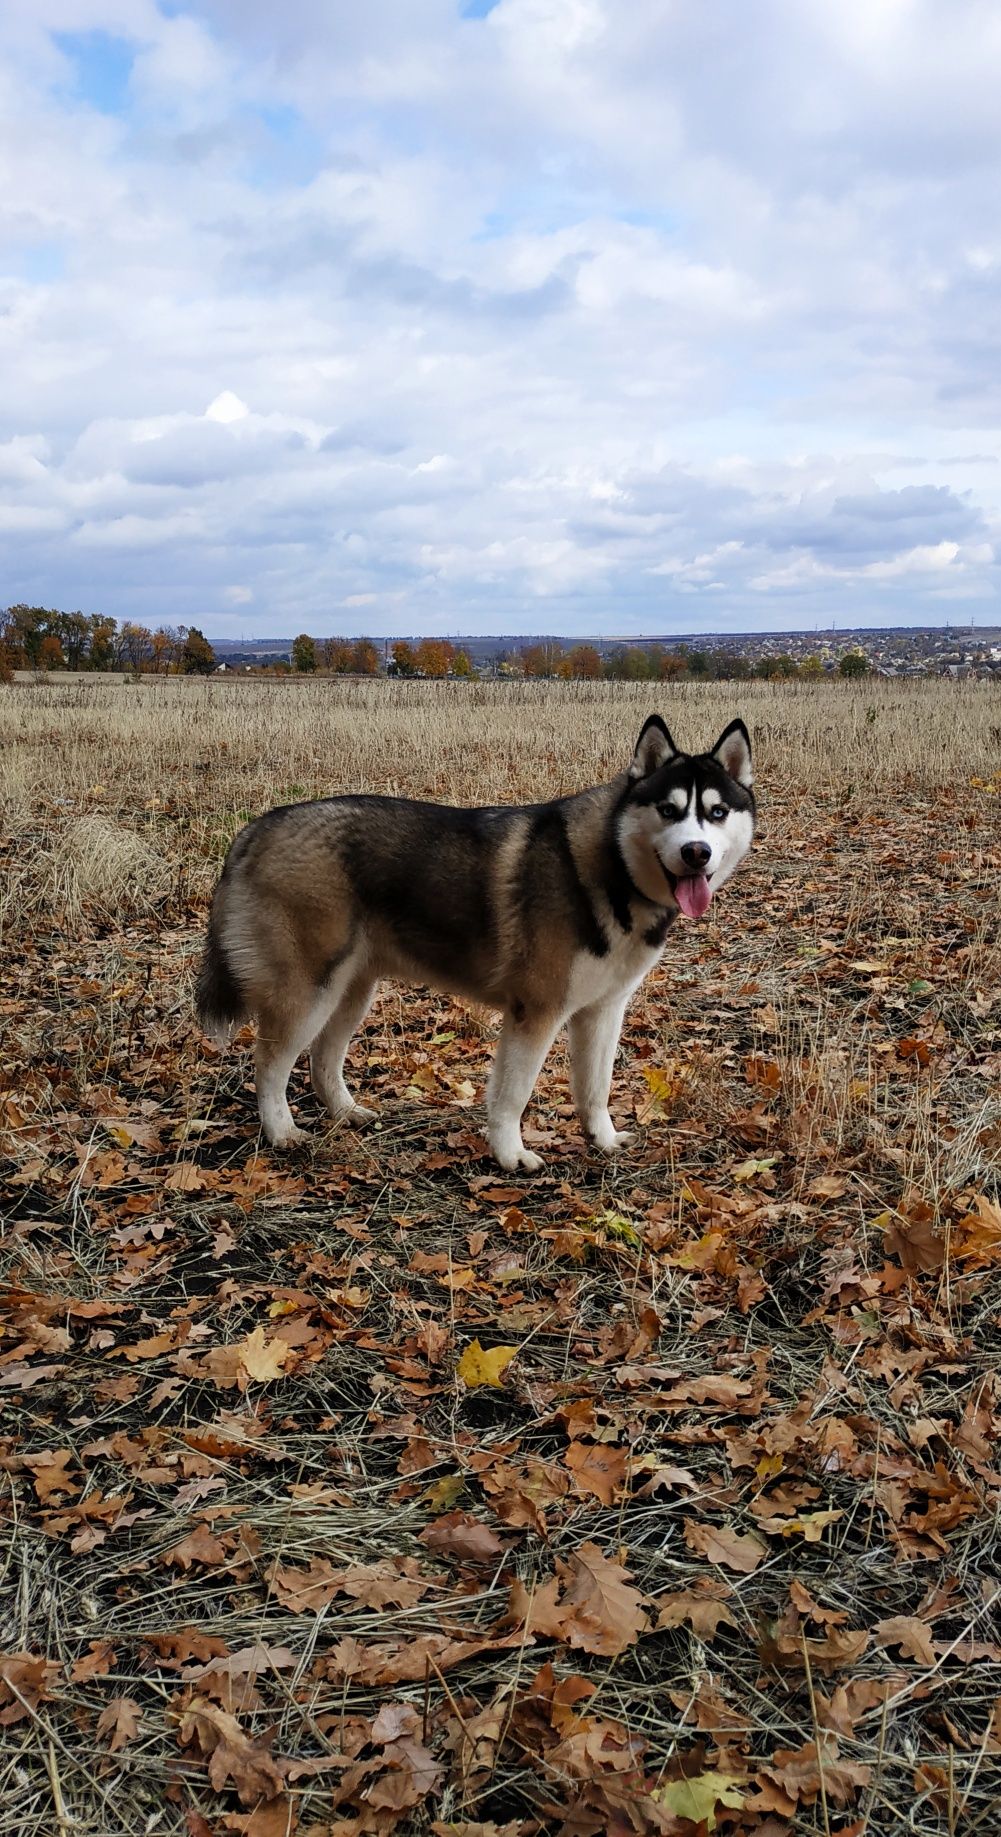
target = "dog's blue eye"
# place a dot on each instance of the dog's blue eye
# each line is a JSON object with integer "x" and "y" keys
{"x": 719, "y": 813}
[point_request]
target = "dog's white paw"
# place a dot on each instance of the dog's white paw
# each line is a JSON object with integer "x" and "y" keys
{"x": 290, "y": 1137}
{"x": 605, "y": 1137}
{"x": 529, "y": 1161}
{"x": 515, "y": 1157}
{"x": 360, "y": 1113}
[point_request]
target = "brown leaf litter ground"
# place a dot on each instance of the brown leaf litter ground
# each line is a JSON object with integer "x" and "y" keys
{"x": 375, "y": 1491}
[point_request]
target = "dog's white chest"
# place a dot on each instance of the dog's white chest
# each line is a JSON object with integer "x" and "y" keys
{"x": 599, "y": 979}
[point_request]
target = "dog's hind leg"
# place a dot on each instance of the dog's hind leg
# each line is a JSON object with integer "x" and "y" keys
{"x": 326, "y": 1059}
{"x": 594, "y": 1036}
{"x": 282, "y": 1034}
{"x": 520, "y": 1055}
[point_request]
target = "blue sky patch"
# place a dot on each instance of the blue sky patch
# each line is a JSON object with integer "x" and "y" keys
{"x": 42, "y": 264}
{"x": 102, "y": 65}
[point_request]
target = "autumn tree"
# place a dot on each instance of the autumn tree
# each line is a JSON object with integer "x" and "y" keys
{"x": 541, "y": 659}
{"x": 198, "y": 657}
{"x": 50, "y": 653}
{"x": 24, "y": 629}
{"x": 672, "y": 666}
{"x": 433, "y": 657}
{"x": 403, "y": 658}
{"x": 103, "y": 642}
{"x": 337, "y": 654}
{"x": 6, "y": 667}
{"x": 365, "y": 657}
{"x": 303, "y": 654}
{"x": 584, "y": 662}
{"x": 811, "y": 668}
{"x": 166, "y": 648}
{"x": 462, "y": 665}
{"x": 136, "y": 645}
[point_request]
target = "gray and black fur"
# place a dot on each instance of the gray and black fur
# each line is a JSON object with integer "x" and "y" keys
{"x": 551, "y": 912}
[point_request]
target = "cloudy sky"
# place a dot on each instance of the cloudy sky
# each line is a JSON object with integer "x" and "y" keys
{"x": 594, "y": 316}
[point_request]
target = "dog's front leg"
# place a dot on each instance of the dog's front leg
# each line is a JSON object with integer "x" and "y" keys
{"x": 520, "y": 1054}
{"x": 594, "y": 1036}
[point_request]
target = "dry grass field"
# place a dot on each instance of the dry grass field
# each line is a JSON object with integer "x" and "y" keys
{"x": 372, "y": 1491}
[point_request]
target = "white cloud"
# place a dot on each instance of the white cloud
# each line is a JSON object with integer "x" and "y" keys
{"x": 226, "y": 407}
{"x": 597, "y": 317}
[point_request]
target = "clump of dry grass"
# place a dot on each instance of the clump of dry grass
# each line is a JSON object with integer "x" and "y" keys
{"x": 90, "y": 867}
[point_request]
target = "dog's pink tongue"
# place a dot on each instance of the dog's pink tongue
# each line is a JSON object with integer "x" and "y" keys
{"x": 693, "y": 894}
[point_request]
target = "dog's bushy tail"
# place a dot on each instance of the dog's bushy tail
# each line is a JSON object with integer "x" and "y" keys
{"x": 219, "y": 999}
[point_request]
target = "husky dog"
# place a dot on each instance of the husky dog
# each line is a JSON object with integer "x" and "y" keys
{"x": 550, "y": 912}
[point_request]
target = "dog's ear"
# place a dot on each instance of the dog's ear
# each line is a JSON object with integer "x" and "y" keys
{"x": 733, "y": 750}
{"x": 653, "y": 748}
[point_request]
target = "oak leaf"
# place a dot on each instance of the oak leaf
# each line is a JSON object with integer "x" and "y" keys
{"x": 271, "y": 1818}
{"x": 234, "y": 1757}
{"x": 809, "y": 1525}
{"x": 698, "y": 1797}
{"x": 25, "y": 1681}
{"x": 50, "y": 1473}
{"x": 477, "y": 1366}
{"x": 797, "y": 1772}
{"x": 120, "y": 1720}
{"x": 704, "y": 1608}
{"x": 200, "y": 1546}
{"x": 827, "y": 1186}
{"x": 978, "y": 1235}
{"x": 262, "y": 1359}
{"x": 602, "y": 1613}
{"x": 909, "y": 1634}
{"x": 724, "y": 1546}
{"x": 460, "y": 1535}
{"x": 185, "y": 1177}
{"x": 597, "y": 1469}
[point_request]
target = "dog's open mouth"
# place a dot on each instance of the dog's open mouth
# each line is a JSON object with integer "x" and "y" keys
{"x": 692, "y": 892}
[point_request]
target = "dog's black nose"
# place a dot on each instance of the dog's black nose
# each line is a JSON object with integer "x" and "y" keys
{"x": 695, "y": 854}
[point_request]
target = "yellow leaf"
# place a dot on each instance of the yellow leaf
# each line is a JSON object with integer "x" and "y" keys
{"x": 768, "y": 1466}
{"x": 615, "y": 1226}
{"x": 479, "y": 1367}
{"x": 260, "y": 1359}
{"x": 748, "y": 1169}
{"x": 698, "y": 1798}
{"x": 660, "y": 1083}
{"x": 443, "y": 1494}
{"x": 278, "y": 1308}
{"x": 811, "y": 1525}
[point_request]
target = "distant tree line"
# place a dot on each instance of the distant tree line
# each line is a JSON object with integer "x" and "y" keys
{"x": 433, "y": 657}
{"x": 658, "y": 663}
{"x": 437, "y": 658}
{"x": 40, "y": 638}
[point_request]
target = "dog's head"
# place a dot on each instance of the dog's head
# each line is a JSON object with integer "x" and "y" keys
{"x": 686, "y": 820}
